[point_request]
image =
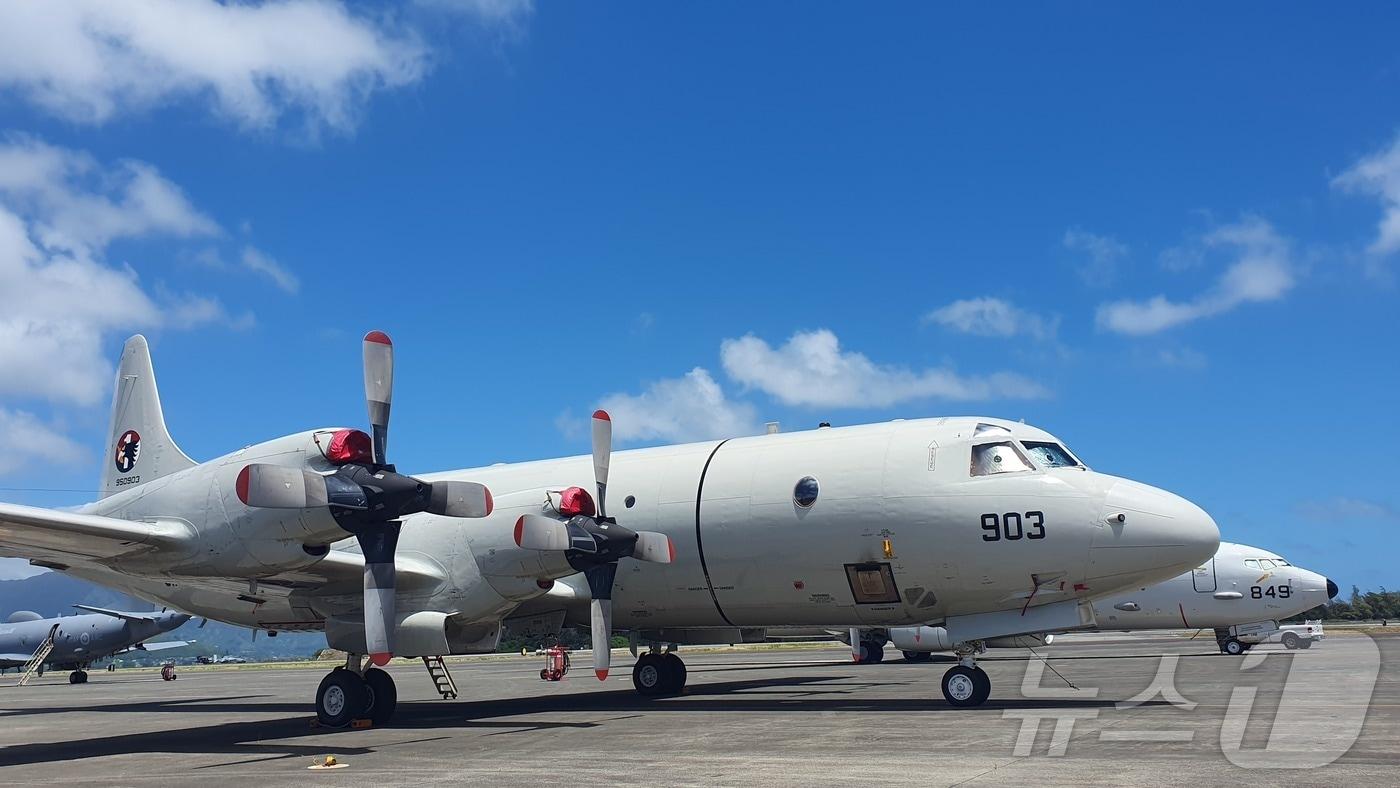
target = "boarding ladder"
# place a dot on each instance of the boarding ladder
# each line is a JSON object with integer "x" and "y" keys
{"x": 40, "y": 654}
{"x": 437, "y": 670}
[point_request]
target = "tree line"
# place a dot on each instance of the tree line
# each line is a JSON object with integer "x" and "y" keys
{"x": 1361, "y": 606}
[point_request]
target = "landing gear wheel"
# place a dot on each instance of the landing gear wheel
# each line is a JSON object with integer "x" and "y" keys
{"x": 1233, "y": 647}
{"x": 918, "y": 656}
{"x": 871, "y": 653}
{"x": 340, "y": 698}
{"x": 966, "y": 687}
{"x": 1305, "y": 644}
{"x": 1290, "y": 640}
{"x": 649, "y": 675}
{"x": 381, "y": 696}
{"x": 675, "y": 674}
{"x": 78, "y": 677}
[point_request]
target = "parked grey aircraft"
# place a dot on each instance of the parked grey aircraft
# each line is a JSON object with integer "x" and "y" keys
{"x": 79, "y": 641}
{"x": 900, "y": 523}
{"x": 1242, "y": 593}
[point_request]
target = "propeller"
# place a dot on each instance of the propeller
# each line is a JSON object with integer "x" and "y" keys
{"x": 366, "y": 496}
{"x": 595, "y": 544}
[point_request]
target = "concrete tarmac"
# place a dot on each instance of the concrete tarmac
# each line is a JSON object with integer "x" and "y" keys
{"x": 1147, "y": 710}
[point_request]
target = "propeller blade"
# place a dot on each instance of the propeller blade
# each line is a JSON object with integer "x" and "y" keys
{"x": 279, "y": 487}
{"x": 654, "y": 547}
{"x": 378, "y": 542}
{"x": 536, "y": 532}
{"x": 460, "y": 499}
{"x": 379, "y": 389}
{"x": 602, "y": 455}
{"x": 601, "y": 626}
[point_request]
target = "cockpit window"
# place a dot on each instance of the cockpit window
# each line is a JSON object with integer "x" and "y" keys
{"x": 1050, "y": 455}
{"x": 1281, "y": 562}
{"x": 1251, "y": 563}
{"x": 991, "y": 430}
{"x": 993, "y": 458}
{"x": 1267, "y": 563}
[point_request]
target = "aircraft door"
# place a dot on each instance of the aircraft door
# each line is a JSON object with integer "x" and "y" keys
{"x": 1203, "y": 577}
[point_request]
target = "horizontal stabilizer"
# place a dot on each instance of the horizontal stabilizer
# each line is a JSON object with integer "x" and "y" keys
{"x": 118, "y": 613}
{"x": 165, "y": 644}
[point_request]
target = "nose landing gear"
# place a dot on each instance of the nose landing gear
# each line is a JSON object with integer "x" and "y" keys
{"x": 965, "y": 684}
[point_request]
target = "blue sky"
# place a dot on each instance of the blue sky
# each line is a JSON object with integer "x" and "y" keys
{"x": 1169, "y": 236}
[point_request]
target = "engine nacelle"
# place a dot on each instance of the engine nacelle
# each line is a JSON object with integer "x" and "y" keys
{"x": 423, "y": 634}
{"x": 927, "y": 639}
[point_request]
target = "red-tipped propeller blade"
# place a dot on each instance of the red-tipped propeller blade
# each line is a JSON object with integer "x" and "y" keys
{"x": 379, "y": 389}
{"x": 601, "y": 625}
{"x": 654, "y": 547}
{"x": 279, "y": 487}
{"x": 460, "y": 499}
{"x": 602, "y": 455}
{"x": 536, "y": 532}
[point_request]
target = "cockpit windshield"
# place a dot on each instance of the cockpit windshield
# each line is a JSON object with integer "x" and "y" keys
{"x": 1050, "y": 455}
{"x": 1001, "y": 457}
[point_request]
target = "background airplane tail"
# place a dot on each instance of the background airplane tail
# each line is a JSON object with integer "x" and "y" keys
{"x": 139, "y": 448}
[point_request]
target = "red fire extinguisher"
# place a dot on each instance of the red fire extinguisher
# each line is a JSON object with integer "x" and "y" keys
{"x": 556, "y": 663}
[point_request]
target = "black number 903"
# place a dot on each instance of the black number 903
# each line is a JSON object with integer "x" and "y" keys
{"x": 1013, "y": 525}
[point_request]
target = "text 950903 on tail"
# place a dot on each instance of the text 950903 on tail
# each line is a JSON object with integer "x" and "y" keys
{"x": 987, "y": 527}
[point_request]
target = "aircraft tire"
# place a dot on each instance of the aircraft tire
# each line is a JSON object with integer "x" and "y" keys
{"x": 649, "y": 675}
{"x": 340, "y": 698}
{"x": 966, "y": 687}
{"x": 874, "y": 653}
{"x": 1290, "y": 640}
{"x": 675, "y": 674}
{"x": 75, "y": 677}
{"x": 918, "y": 656}
{"x": 381, "y": 696}
{"x": 1233, "y": 647}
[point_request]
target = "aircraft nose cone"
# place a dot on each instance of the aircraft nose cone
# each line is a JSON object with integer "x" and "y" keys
{"x": 1148, "y": 535}
{"x": 1331, "y": 589}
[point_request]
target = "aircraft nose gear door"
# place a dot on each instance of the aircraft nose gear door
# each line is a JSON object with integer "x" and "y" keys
{"x": 1203, "y": 578}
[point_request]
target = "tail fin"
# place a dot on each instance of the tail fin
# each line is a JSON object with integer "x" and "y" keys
{"x": 139, "y": 449}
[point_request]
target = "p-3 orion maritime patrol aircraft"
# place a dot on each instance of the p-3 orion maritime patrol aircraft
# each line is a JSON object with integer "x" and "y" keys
{"x": 908, "y": 522}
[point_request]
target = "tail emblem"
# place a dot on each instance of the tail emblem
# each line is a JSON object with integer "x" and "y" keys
{"x": 128, "y": 449}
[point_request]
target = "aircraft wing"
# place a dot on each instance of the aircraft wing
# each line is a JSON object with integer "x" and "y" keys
{"x": 14, "y": 660}
{"x": 161, "y": 646}
{"x": 31, "y": 531}
{"x": 118, "y": 613}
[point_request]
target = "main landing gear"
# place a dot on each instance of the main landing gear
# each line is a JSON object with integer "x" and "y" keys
{"x": 659, "y": 674}
{"x": 965, "y": 684}
{"x": 347, "y": 694}
{"x": 872, "y": 652}
{"x": 77, "y": 677}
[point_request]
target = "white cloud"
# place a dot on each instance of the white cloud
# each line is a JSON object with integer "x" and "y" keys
{"x": 89, "y": 61}
{"x": 1379, "y": 175}
{"x": 78, "y": 206}
{"x": 993, "y": 317}
{"x": 1104, "y": 253}
{"x": 1263, "y": 269}
{"x": 812, "y": 369}
{"x": 59, "y": 299}
{"x": 1342, "y": 509}
{"x": 507, "y": 14}
{"x": 689, "y": 408}
{"x": 26, "y": 439}
{"x": 260, "y": 263}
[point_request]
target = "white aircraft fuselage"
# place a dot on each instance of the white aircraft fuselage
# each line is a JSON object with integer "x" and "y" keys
{"x": 746, "y": 553}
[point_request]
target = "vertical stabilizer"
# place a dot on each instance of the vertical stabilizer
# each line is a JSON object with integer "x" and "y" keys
{"x": 139, "y": 449}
